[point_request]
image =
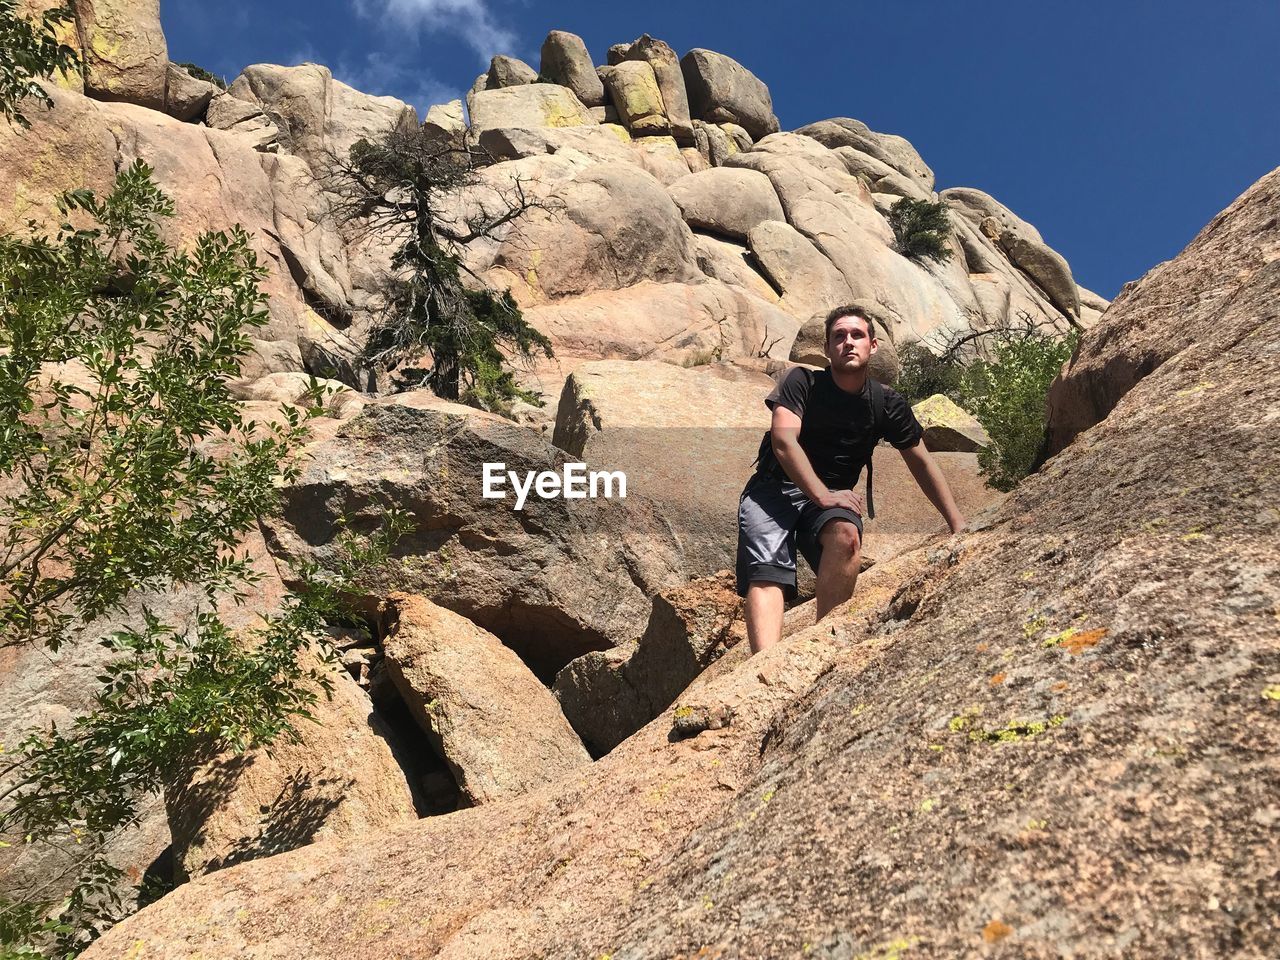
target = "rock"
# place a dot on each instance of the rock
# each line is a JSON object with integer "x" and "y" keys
{"x": 529, "y": 105}
{"x": 186, "y": 97}
{"x": 124, "y": 50}
{"x": 612, "y": 227}
{"x": 507, "y": 71}
{"x": 721, "y": 90}
{"x": 719, "y": 145}
{"x": 726, "y": 201}
{"x": 320, "y": 117}
{"x": 633, "y": 90}
{"x": 948, "y": 428}
{"x": 552, "y": 580}
{"x": 1209, "y": 300}
{"x": 670, "y": 79}
{"x": 889, "y": 149}
{"x": 609, "y": 696}
{"x": 565, "y": 61}
{"x": 679, "y": 322}
{"x": 741, "y": 139}
{"x": 67, "y": 33}
{"x": 733, "y": 264}
{"x": 603, "y": 144}
{"x": 686, "y": 438}
{"x": 695, "y": 159}
{"x": 340, "y": 781}
{"x": 1048, "y": 268}
{"x": 226, "y": 112}
{"x": 445, "y": 121}
{"x": 810, "y": 343}
{"x": 481, "y": 83}
{"x": 661, "y": 158}
{"x": 335, "y": 399}
{"x": 500, "y": 731}
{"x": 808, "y": 281}
{"x": 881, "y": 177}
{"x": 976, "y": 206}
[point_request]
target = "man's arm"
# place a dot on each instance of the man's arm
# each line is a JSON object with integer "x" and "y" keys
{"x": 784, "y": 432}
{"x": 933, "y": 483}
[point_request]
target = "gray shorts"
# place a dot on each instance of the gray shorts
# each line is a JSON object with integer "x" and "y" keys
{"x": 773, "y": 516}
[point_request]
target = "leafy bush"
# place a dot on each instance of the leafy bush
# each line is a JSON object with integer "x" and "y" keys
{"x": 29, "y": 51}
{"x": 200, "y": 73}
{"x": 1007, "y": 394}
{"x": 922, "y": 373}
{"x": 922, "y": 229}
{"x": 126, "y": 465}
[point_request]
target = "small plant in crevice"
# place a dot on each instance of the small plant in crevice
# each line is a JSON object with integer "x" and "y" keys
{"x": 922, "y": 229}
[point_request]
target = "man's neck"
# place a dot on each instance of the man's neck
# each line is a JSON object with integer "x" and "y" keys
{"x": 850, "y": 381}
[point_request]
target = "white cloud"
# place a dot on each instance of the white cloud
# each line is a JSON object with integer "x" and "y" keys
{"x": 470, "y": 19}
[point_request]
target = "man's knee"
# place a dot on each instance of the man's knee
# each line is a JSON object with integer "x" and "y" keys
{"x": 841, "y": 537}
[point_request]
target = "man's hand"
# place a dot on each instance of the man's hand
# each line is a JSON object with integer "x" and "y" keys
{"x": 846, "y": 499}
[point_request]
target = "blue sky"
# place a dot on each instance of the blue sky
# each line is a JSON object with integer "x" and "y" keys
{"x": 1118, "y": 127}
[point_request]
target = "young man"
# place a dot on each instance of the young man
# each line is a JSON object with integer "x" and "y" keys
{"x": 822, "y": 435}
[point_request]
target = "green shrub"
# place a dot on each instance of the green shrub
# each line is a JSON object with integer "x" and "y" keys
{"x": 126, "y": 465}
{"x": 28, "y": 52}
{"x": 1007, "y": 394}
{"x": 922, "y": 229}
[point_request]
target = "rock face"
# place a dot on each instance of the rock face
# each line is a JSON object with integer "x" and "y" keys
{"x": 670, "y": 78}
{"x": 500, "y": 730}
{"x": 339, "y": 782}
{"x": 948, "y": 428}
{"x": 186, "y": 98}
{"x": 553, "y": 580}
{"x": 528, "y": 105}
{"x": 686, "y": 437}
{"x": 725, "y": 201}
{"x": 633, "y": 89}
{"x": 125, "y": 53}
{"x": 721, "y": 90}
{"x": 565, "y": 61}
{"x": 609, "y": 695}
{"x": 1009, "y": 750}
{"x": 1213, "y": 282}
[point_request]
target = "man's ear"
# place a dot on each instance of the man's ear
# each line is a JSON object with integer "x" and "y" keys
{"x": 875, "y": 344}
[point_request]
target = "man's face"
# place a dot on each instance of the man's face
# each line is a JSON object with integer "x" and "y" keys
{"x": 849, "y": 346}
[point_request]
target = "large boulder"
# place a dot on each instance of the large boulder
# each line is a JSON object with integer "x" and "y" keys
{"x": 948, "y": 428}
{"x": 726, "y": 201}
{"x": 497, "y": 727}
{"x": 611, "y": 226}
{"x": 609, "y": 695}
{"x": 605, "y": 143}
{"x": 888, "y": 148}
{"x": 565, "y": 61}
{"x": 1210, "y": 299}
{"x": 186, "y": 97}
{"x": 721, "y": 90}
{"x": 339, "y": 780}
{"x": 124, "y": 50}
{"x": 661, "y": 158}
{"x": 1048, "y": 268}
{"x": 66, "y": 33}
{"x": 507, "y": 71}
{"x": 686, "y": 437}
{"x": 670, "y": 78}
{"x": 808, "y": 281}
{"x": 554, "y": 579}
{"x": 633, "y": 90}
{"x": 528, "y": 105}
{"x": 880, "y": 177}
{"x": 320, "y": 117}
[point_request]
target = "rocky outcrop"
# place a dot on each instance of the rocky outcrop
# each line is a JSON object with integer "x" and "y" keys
{"x": 500, "y": 731}
{"x": 1209, "y": 299}
{"x": 611, "y": 694}
{"x": 670, "y": 78}
{"x": 507, "y": 71}
{"x": 721, "y": 90}
{"x": 633, "y": 90}
{"x": 888, "y": 148}
{"x": 527, "y": 105}
{"x": 553, "y": 580}
{"x": 726, "y": 201}
{"x": 339, "y": 780}
{"x": 565, "y": 61}
{"x": 948, "y": 428}
{"x": 124, "y": 51}
{"x": 1007, "y": 751}
{"x": 187, "y": 97}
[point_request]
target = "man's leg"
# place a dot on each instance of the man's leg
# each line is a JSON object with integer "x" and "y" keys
{"x": 839, "y": 566}
{"x": 764, "y": 607}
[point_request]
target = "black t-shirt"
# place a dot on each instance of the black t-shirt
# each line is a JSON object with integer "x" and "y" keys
{"x": 837, "y": 428}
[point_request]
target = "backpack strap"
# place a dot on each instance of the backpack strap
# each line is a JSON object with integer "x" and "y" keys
{"x": 878, "y": 420}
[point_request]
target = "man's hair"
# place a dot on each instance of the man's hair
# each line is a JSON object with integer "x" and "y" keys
{"x": 848, "y": 311}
